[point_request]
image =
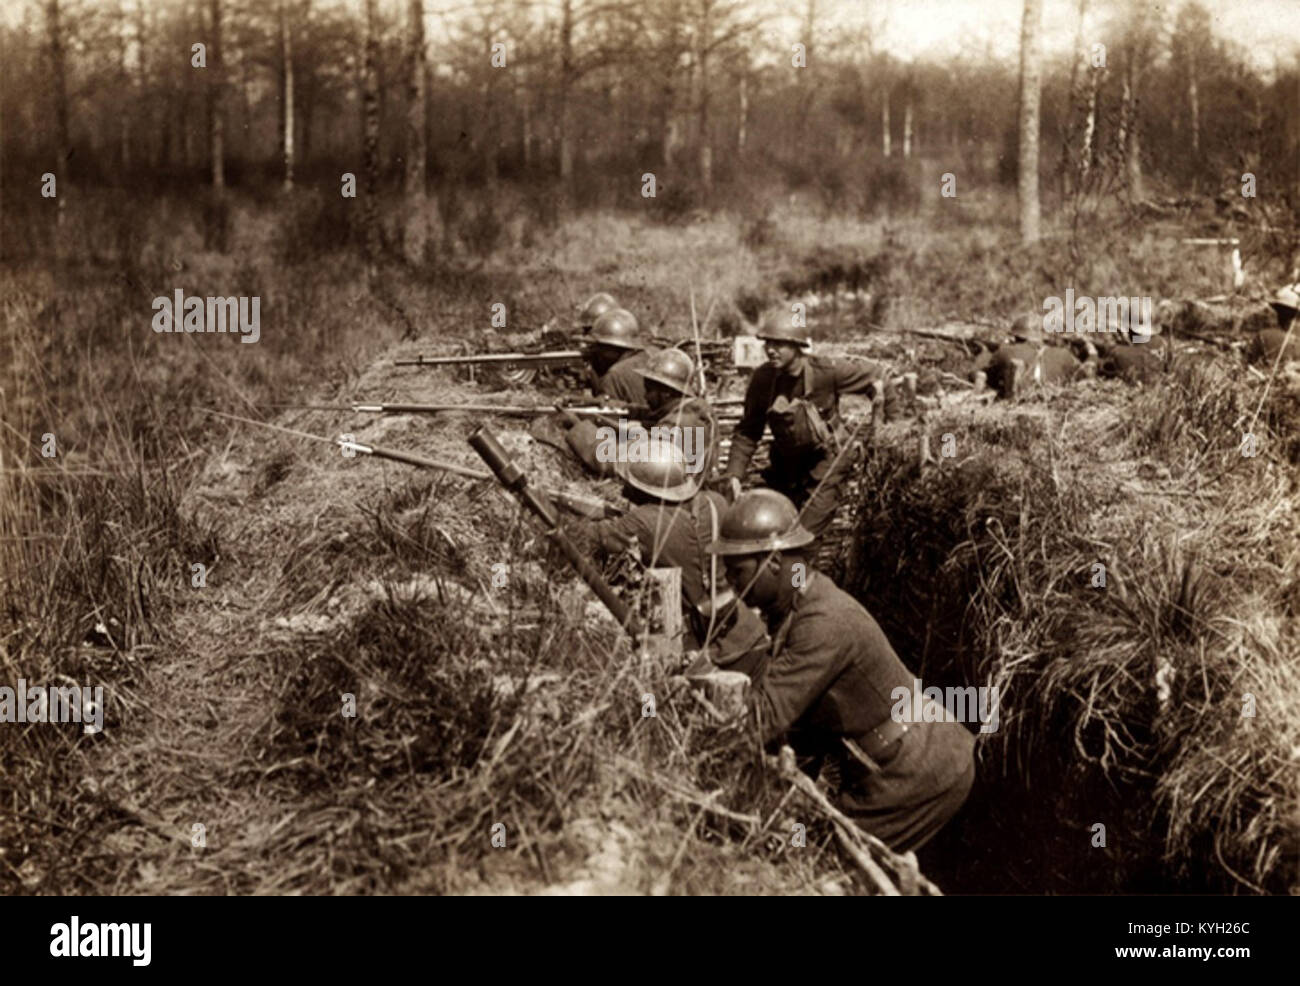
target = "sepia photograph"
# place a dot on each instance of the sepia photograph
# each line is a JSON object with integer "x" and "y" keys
{"x": 650, "y": 448}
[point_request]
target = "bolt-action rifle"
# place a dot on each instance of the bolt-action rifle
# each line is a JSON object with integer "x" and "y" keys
{"x": 589, "y": 507}
{"x": 506, "y": 361}
{"x": 515, "y": 410}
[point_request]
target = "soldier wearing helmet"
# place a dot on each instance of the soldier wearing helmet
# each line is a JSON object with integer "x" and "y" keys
{"x": 830, "y": 682}
{"x": 1284, "y": 342}
{"x": 671, "y": 525}
{"x": 797, "y": 396}
{"x": 616, "y": 356}
{"x": 671, "y": 405}
{"x": 594, "y": 307}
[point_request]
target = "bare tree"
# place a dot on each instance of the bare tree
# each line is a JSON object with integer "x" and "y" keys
{"x": 58, "y": 69}
{"x": 415, "y": 234}
{"x": 1031, "y": 29}
{"x": 216, "y": 226}
{"x": 370, "y": 129}
{"x": 286, "y": 93}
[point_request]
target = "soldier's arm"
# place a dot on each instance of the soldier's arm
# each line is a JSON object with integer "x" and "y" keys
{"x": 789, "y": 683}
{"x": 749, "y": 430}
{"x": 853, "y": 377}
{"x": 620, "y": 534}
{"x": 584, "y": 439}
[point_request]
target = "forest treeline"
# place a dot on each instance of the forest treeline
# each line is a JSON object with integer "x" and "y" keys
{"x": 582, "y": 97}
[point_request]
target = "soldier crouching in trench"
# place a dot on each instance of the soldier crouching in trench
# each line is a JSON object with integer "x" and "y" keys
{"x": 671, "y": 525}
{"x": 797, "y": 395}
{"x": 829, "y": 680}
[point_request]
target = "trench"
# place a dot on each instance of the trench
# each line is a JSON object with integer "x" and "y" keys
{"x": 1027, "y": 827}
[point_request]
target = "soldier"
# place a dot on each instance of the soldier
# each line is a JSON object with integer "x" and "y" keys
{"x": 831, "y": 683}
{"x": 616, "y": 356}
{"x": 1038, "y": 364}
{"x": 1269, "y": 343}
{"x": 672, "y": 524}
{"x": 797, "y": 395}
{"x": 670, "y": 402}
{"x": 594, "y": 307}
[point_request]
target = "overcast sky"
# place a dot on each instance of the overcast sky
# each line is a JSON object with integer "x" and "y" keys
{"x": 1268, "y": 29}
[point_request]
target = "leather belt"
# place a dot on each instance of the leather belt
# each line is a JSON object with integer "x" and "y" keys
{"x": 873, "y": 745}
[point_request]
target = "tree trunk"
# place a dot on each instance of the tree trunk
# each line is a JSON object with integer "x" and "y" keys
{"x": 62, "y": 132}
{"x": 907, "y": 131}
{"x": 742, "y": 126}
{"x": 286, "y": 92}
{"x": 370, "y": 129}
{"x": 885, "y": 135}
{"x": 1089, "y": 126}
{"x": 216, "y": 225}
{"x": 1031, "y": 30}
{"x": 1073, "y": 99}
{"x": 705, "y": 145}
{"x": 1132, "y": 145}
{"x": 1195, "y": 105}
{"x": 415, "y": 236}
{"x": 124, "y": 87}
{"x": 566, "y": 80}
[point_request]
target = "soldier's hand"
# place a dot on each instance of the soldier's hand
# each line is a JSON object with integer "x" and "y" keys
{"x": 568, "y": 417}
{"x": 726, "y": 691}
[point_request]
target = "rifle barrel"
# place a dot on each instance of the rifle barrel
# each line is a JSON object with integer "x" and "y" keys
{"x": 516, "y": 409}
{"x": 503, "y": 359}
{"x": 586, "y": 506}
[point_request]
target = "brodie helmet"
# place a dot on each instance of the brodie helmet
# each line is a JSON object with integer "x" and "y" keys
{"x": 674, "y": 369}
{"x": 618, "y": 328}
{"x": 662, "y": 472}
{"x": 1286, "y": 298}
{"x": 594, "y": 307}
{"x": 776, "y": 326}
{"x": 760, "y": 521}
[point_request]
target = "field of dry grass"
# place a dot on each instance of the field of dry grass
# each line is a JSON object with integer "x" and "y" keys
{"x": 521, "y": 705}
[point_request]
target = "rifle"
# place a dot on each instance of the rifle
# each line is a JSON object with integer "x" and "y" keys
{"x": 519, "y": 410}
{"x": 513, "y": 479}
{"x": 589, "y": 507}
{"x": 507, "y": 361}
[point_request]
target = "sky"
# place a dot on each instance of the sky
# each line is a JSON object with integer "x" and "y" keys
{"x": 1268, "y": 29}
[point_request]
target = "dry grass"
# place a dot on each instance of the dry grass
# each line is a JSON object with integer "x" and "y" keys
{"x": 478, "y": 705}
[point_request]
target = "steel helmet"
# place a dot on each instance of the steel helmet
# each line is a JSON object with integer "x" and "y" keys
{"x": 760, "y": 521}
{"x": 618, "y": 328}
{"x": 594, "y": 307}
{"x": 777, "y": 326}
{"x": 674, "y": 369}
{"x": 662, "y": 472}
{"x": 1286, "y": 297}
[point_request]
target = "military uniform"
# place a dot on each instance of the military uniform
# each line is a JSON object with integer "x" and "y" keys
{"x": 1267, "y": 344}
{"x": 1050, "y": 364}
{"x": 830, "y": 681}
{"x": 686, "y": 412}
{"x": 675, "y": 536}
{"x": 623, "y": 381}
{"x": 796, "y": 469}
